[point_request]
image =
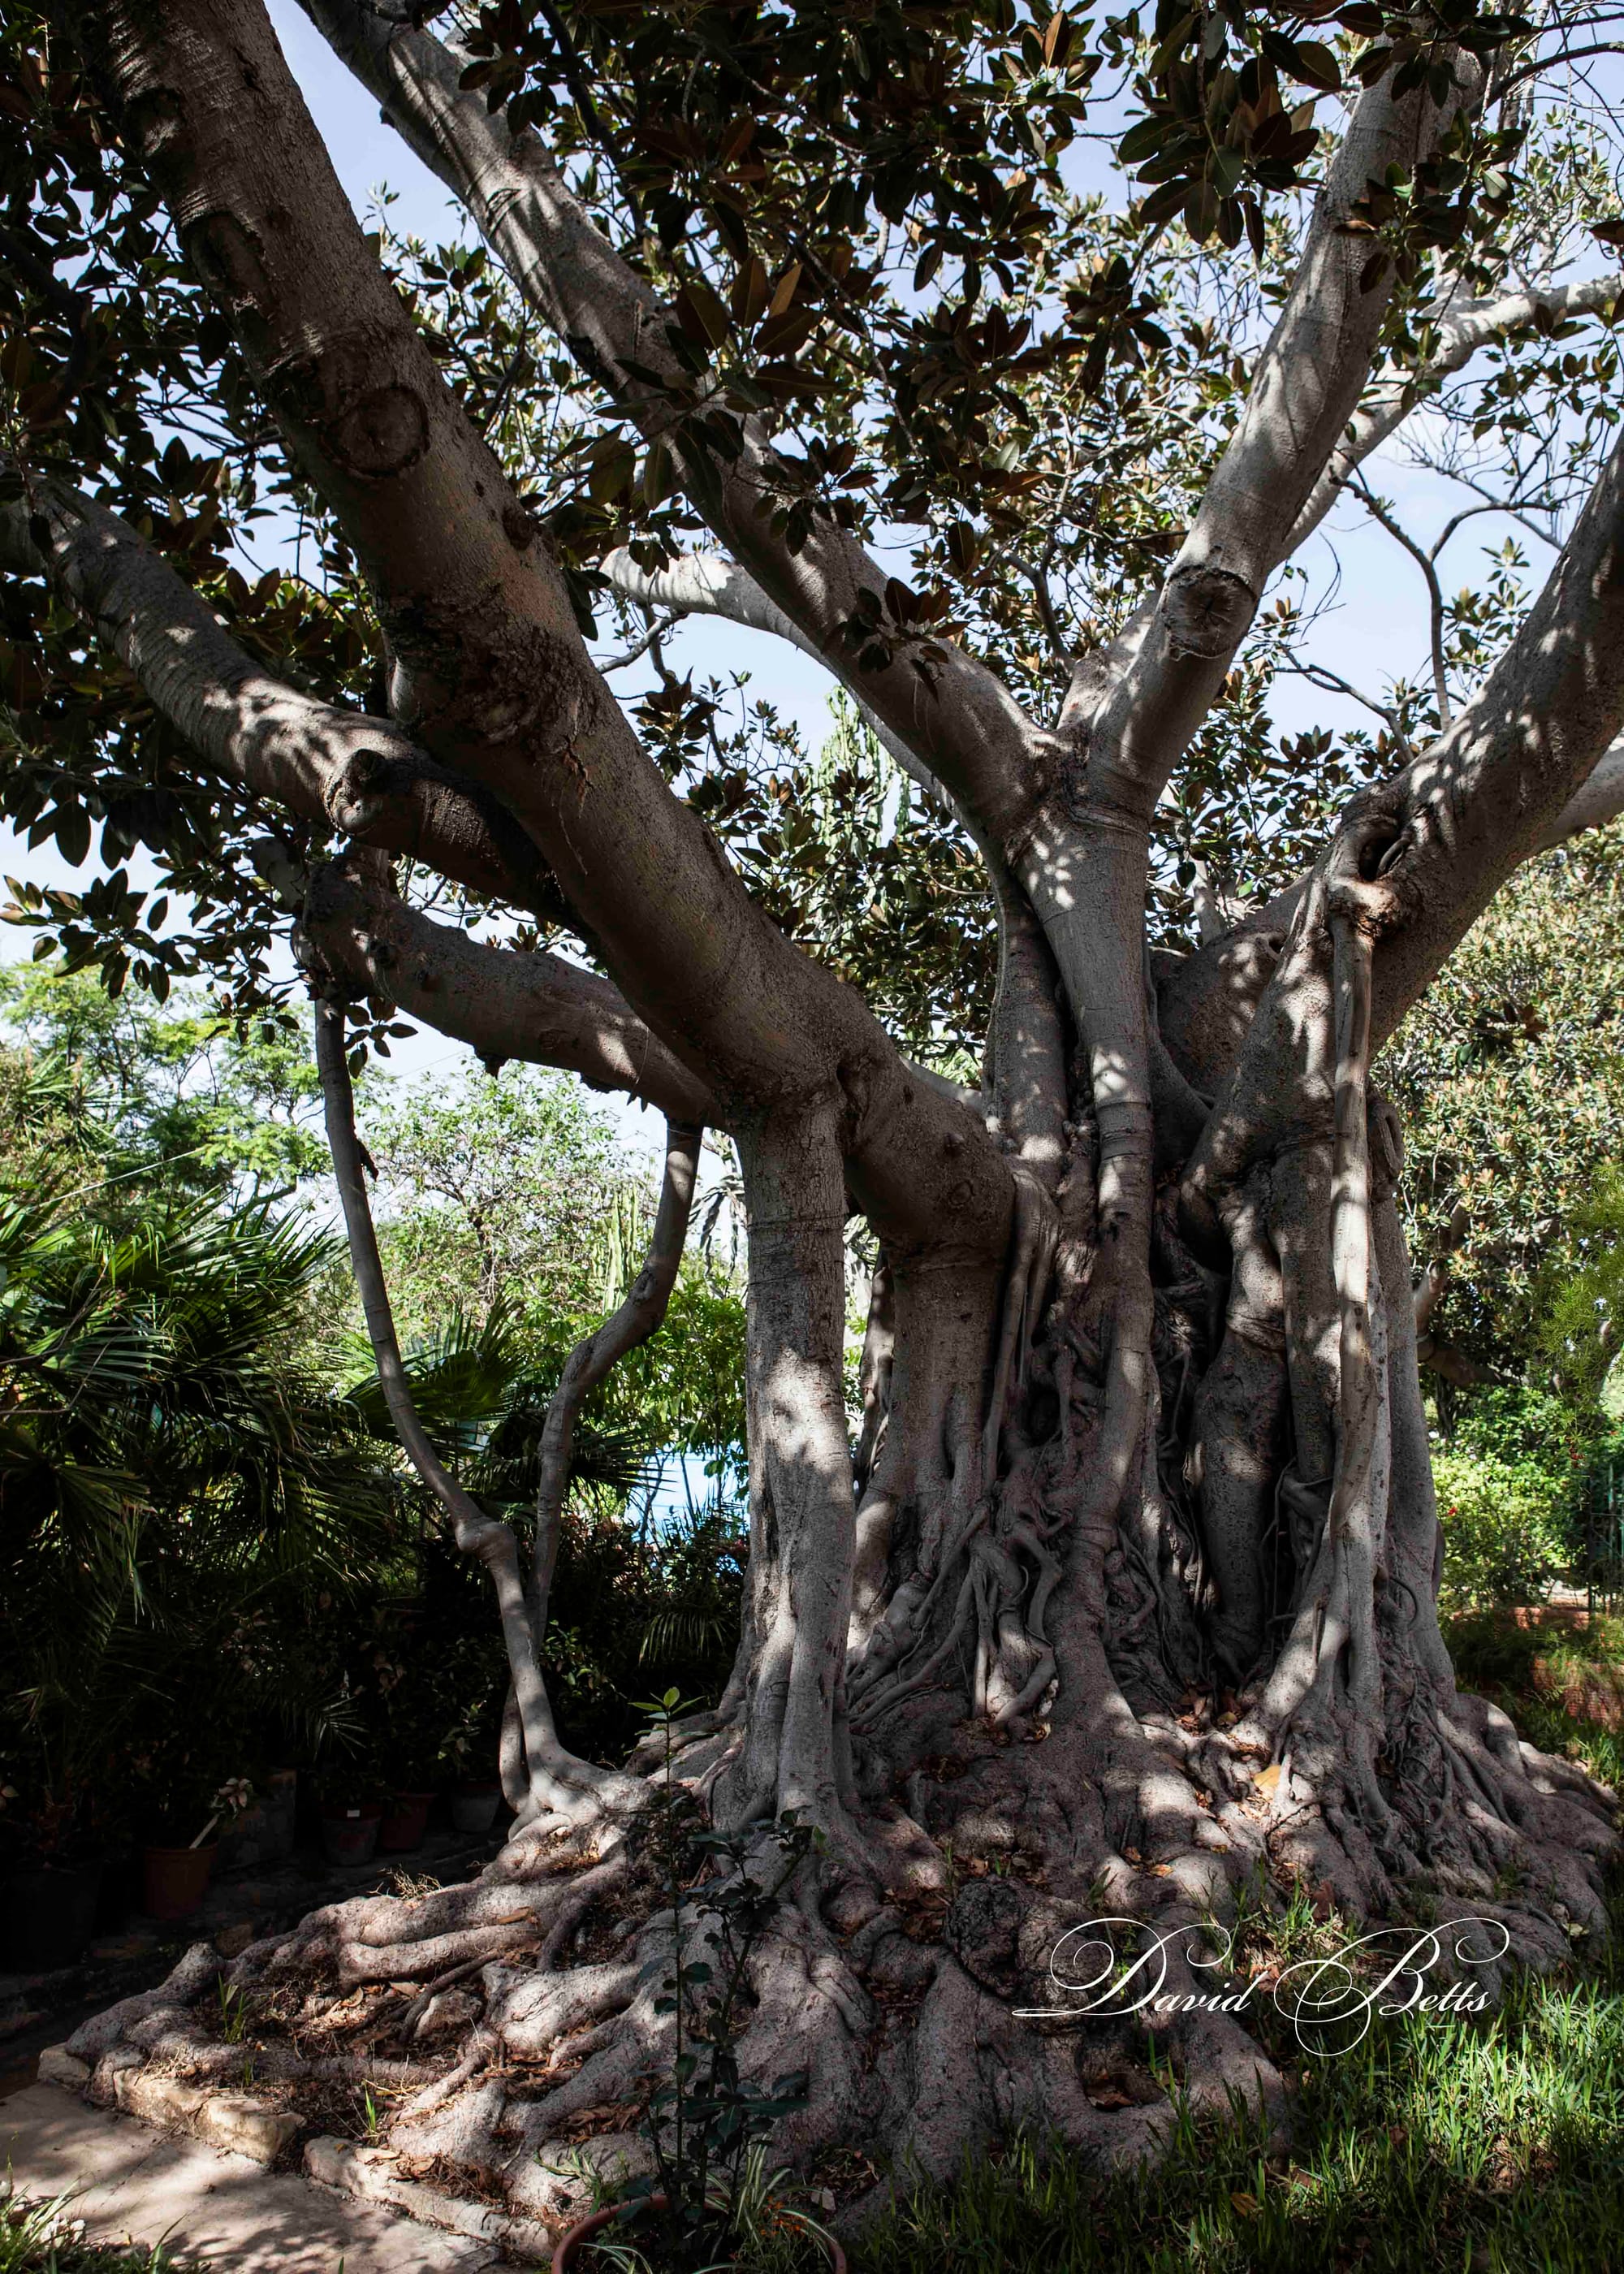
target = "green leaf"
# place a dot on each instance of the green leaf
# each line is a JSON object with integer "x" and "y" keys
{"x": 1316, "y": 65}
{"x": 1225, "y": 171}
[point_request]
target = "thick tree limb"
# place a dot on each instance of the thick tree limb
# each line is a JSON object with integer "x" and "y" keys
{"x": 1456, "y": 823}
{"x": 335, "y": 767}
{"x": 1207, "y": 999}
{"x": 502, "y": 1003}
{"x": 480, "y": 616}
{"x": 1485, "y": 797}
{"x": 960, "y": 717}
{"x": 1026, "y": 1045}
{"x": 1599, "y": 801}
{"x": 1305, "y": 389}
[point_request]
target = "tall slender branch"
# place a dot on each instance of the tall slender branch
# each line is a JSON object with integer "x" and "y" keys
{"x": 640, "y": 1315}
{"x": 1306, "y": 387}
{"x": 1466, "y": 327}
{"x": 559, "y": 1780}
{"x": 1427, "y": 564}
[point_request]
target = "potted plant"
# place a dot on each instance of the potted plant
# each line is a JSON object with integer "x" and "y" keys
{"x": 474, "y": 1799}
{"x": 264, "y": 1831}
{"x": 405, "y": 1820}
{"x": 349, "y": 1830}
{"x": 411, "y": 1718}
{"x": 176, "y": 1870}
{"x": 350, "y": 1811}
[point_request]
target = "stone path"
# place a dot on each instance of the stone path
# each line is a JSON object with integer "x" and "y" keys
{"x": 131, "y": 2184}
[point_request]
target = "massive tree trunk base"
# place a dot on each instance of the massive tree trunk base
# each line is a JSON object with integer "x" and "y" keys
{"x": 1127, "y": 1609}
{"x": 508, "y": 2026}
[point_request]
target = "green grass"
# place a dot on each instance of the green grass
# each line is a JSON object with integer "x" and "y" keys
{"x": 1494, "y": 2146}
{"x": 1492, "y": 1653}
{"x": 39, "y": 2238}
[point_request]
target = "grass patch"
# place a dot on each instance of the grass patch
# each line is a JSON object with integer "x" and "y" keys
{"x": 1536, "y": 1673}
{"x": 1488, "y": 2144}
{"x": 1493, "y": 2144}
{"x": 44, "y": 2237}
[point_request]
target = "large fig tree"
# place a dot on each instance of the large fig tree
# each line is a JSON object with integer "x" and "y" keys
{"x": 1122, "y": 1594}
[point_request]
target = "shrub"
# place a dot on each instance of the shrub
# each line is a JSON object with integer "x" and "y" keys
{"x": 1510, "y": 1482}
{"x": 1505, "y": 1527}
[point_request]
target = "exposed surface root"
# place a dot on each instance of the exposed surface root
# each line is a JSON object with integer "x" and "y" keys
{"x": 503, "y": 2032}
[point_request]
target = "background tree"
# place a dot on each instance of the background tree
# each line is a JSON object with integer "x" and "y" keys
{"x": 1131, "y": 1581}
{"x": 1509, "y": 1076}
{"x": 166, "y": 1093}
{"x": 487, "y": 1184}
{"x": 178, "y": 1489}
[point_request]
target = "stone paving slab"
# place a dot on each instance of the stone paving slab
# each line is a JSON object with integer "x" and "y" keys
{"x": 131, "y": 2184}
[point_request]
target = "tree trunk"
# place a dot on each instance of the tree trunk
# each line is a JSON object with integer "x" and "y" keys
{"x": 1020, "y": 1661}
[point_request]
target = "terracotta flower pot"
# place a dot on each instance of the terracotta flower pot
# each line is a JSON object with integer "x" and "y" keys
{"x": 349, "y": 1834}
{"x": 585, "y": 2230}
{"x": 405, "y": 1820}
{"x": 175, "y": 1880}
{"x": 474, "y": 1806}
{"x": 49, "y": 1914}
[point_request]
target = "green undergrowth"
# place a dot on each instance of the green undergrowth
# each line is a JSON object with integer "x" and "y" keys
{"x": 1489, "y": 2143}
{"x": 1541, "y": 1674}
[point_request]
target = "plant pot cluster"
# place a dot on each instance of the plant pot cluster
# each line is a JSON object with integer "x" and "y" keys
{"x": 49, "y": 1909}
{"x": 354, "y": 1831}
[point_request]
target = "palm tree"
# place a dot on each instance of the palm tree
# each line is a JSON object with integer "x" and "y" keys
{"x": 172, "y": 1480}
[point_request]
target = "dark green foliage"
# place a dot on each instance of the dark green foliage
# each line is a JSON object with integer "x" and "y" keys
{"x": 1509, "y": 1080}
{"x": 873, "y": 228}
{"x": 632, "y": 1607}
{"x": 177, "y": 1488}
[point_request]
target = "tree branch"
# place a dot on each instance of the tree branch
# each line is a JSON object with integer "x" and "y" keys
{"x": 1305, "y": 389}
{"x": 1397, "y": 391}
{"x": 502, "y": 1002}
{"x": 708, "y": 584}
{"x": 1441, "y": 835}
{"x": 1026, "y": 1045}
{"x": 479, "y": 613}
{"x": 1427, "y": 564}
{"x": 335, "y": 767}
{"x": 957, "y": 715}
{"x": 1487, "y": 796}
{"x": 559, "y": 1780}
{"x": 1600, "y": 800}
{"x": 593, "y": 1357}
